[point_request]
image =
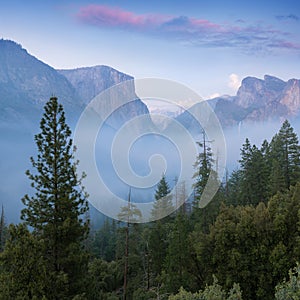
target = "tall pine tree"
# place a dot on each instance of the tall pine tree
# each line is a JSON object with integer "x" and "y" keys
{"x": 3, "y": 230}
{"x": 158, "y": 235}
{"x": 204, "y": 169}
{"x": 57, "y": 210}
{"x": 285, "y": 155}
{"x": 203, "y": 166}
{"x": 163, "y": 201}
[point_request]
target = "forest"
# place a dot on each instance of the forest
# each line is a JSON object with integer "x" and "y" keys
{"x": 245, "y": 244}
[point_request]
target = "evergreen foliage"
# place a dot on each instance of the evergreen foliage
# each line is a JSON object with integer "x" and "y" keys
{"x": 3, "y": 230}
{"x": 203, "y": 165}
{"x": 289, "y": 290}
{"x": 248, "y": 236}
{"x": 23, "y": 270}
{"x": 163, "y": 201}
{"x": 57, "y": 210}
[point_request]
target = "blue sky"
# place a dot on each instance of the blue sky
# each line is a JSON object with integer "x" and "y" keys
{"x": 207, "y": 45}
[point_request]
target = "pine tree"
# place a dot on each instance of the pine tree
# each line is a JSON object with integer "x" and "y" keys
{"x": 204, "y": 169}
{"x": 254, "y": 175}
{"x": 159, "y": 230}
{"x": 3, "y": 230}
{"x": 128, "y": 215}
{"x": 178, "y": 260}
{"x": 56, "y": 211}
{"x": 104, "y": 241}
{"x": 203, "y": 166}
{"x": 233, "y": 188}
{"x": 23, "y": 268}
{"x": 289, "y": 289}
{"x": 286, "y": 151}
{"x": 163, "y": 201}
{"x": 245, "y": 164}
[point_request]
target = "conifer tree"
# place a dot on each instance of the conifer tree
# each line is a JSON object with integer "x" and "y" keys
{"x": 23, "y": 269}
{"x": 3, "y": 230}
{"x": 56, "y": 211}
{"x": 128, "y": 215}
{"x": 233, "y": 188}
{"x": 254, "y": 175}
{"x": 245, "y": 164}
{"x": 163, "y": 201}
{"x": 178, "y": 260}
{"x": 159, "y": 231}
{"x": 203, "y": 166}
{"x": 204, "y": 169}
{"x": 285, "y": 150}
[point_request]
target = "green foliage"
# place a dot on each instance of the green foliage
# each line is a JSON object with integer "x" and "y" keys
{"x": 3, "y": 230}
{"x": 184, "y": 295}
{"x": 265, "y": 171}
{"x": 143, "y": 294}
{"x": 158, "y": 244}
{"x": 23, "y": 269}
{"x": 289, "y": 290}
{"x": 284, "y": 210}
{"x": 237, "y": 249}
{"x": 130, "y": 213}
{"x": 211, "y": 292}
{"x": 163, "y": 201}
{"x": 286, "y": 151}
{"x": 248, "y": 235}
{"x": 57, "y": 209}
{"x": 253, "y": 172}
{"x": 233, "y": 188}
{"x": 104, "y": 241}
{"x": 204, "y": 217}
{"x": 178, "y": 259}
{"x": 129, "y": 249}
{"x": 203, "y": 167}
{"x": 103, "y": 278}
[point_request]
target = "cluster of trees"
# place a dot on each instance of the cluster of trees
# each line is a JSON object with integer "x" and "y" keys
{"x": 44, "y": 257}
{"x": 243, "y": 245}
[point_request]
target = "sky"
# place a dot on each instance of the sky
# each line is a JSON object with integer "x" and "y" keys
{"x": 210, "y": 46}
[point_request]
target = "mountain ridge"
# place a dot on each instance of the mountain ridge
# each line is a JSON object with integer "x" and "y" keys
{"x": 257, "y": 100}
{"x": 26, "y": 83}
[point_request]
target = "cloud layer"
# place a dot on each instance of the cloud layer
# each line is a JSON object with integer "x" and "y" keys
{"x": 192, "y": 31}
{"x": 234, "y": 82}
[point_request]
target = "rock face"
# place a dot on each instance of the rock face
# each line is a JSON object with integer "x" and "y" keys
{"x": 290, "y": 97}
{"x": 27, "y": 83}
{"x": 89, "y": 82}
{"x": 256, "y": 93}
{"x": 257, "y": 100}
{"x": 261, "y": 100}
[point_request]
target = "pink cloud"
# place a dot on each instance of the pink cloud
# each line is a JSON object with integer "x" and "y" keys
{"x": 102, "y": 15}
{"x": 287, "y": 45}
{"x": 197, "y": 32}
{"x": 205, "y": 23}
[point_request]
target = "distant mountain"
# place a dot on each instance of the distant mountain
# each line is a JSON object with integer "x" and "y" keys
{"x": 90, "y": 81}
{"x": 26, "y": 83}
{"x": 257, "y": 100}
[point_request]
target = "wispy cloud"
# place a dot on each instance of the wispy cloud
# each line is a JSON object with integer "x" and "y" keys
{"x": 113, "y": 17}
{"x": 192, "y": 31}
{"x": 234, "y": 82}
{"x": 290, "y": 17}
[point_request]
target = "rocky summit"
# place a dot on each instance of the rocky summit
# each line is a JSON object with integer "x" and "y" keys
{"x": 259, "y": 100}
